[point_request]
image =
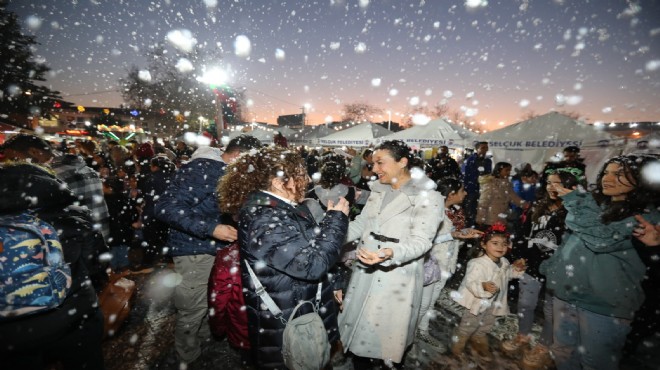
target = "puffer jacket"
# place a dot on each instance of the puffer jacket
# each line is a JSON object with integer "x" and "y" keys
{"x": 26, "y": 187}
{"x": 189, "y": 206}
{"x": 290, "y": 254}
{"x": 496, "y": 196}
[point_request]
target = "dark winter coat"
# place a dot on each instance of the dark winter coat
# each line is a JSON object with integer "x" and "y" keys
{"x": 474, "y": 167}
{"x": 189, "y": 206}
{"x": 155, "y": 231}
{"x": 26, "y": 187}
{"x": 290, "y": 254}
{"x": 550, "y": 227}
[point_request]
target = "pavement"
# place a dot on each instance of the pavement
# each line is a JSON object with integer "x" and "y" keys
{"x": 146, "y": 340}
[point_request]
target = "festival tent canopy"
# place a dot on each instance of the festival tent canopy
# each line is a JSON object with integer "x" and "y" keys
{"x": 436, "y": 133}
{"x": 265, "y": 136}
{"x": 647, "y": 144}
{"x": 360, "y": 135}
{"x": 540, "y": 139}
{"x": 309, "y": 135}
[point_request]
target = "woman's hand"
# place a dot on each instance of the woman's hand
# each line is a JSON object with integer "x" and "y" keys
{"x": 561, "y": 191}
{"x": 646, "y": 232}
{"x": 490, "y": 287}
{"x": 342, "y": 206}
{"x": 467, "y": 234}
{"x": 339, "y": 298}
{"x": 373, "y": 258}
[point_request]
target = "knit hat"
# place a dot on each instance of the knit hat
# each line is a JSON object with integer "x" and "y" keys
{"x": 144, "y": 151}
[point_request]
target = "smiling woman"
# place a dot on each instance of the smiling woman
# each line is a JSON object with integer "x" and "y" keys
{"x": 596, "y": 274}
{"x": 395, "y": 231}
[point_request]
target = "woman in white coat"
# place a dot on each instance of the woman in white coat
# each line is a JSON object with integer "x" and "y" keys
{"x": 395, "y": 229}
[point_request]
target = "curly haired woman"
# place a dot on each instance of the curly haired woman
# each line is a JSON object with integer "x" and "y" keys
{"x": 289, "y": 252}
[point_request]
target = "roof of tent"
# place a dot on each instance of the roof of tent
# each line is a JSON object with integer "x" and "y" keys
{"x": 551, "y": 130}
{"x": 647, "y": 144}
{"x": 309, "y": 134}
{"x": 435, "y": 133}
{"x": 265, "y": 136}
{"x": 359, "y": 135}
{"x": 541, "y": 138}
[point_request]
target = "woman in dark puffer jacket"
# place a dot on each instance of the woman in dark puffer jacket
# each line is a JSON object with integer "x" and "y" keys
{"x": 289, "y": 252}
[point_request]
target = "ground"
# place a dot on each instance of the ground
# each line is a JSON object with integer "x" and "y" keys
{"x": 146, "y": 341}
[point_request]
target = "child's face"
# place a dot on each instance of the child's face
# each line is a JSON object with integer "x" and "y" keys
{"x": 456, "y": 197}
{"x": 496, "y": 247}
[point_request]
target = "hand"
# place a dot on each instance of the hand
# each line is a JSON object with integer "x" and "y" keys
{"x": 561, "y": 191}
{"x": 342, "y": 206}
{"x": 519, "y": 264}
{"x": 373, "y": 258}
{"x": 646, "y": 232}
{"x": 467, "y": 234}
{"x": 339, "y": 298}
{"x": 225, "y": 232}
{"x": 490, "y": 287}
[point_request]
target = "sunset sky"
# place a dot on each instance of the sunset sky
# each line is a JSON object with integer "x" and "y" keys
{"x": 495, "y": 61}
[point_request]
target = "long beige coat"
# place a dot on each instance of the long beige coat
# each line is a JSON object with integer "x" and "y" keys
{"x": 496, "y": 196}
{"x": 382, "y": 302}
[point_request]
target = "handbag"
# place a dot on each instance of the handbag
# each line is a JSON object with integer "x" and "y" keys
{"x": 305, "y": 343}
{"x": 115, "y": 302}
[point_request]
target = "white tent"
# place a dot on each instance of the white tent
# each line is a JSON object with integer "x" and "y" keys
{"x": 359, "y": 135}
{"x": 437, "y": 132}
{"x": 647, "y": 144}
{"x": 265, "y": 136}
{"x": 541, "y": 138}
{"x": 309, "y": 135}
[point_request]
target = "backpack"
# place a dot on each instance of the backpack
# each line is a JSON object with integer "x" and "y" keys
{"x": 305, "y": 343}
{"x": 33, "y": 273}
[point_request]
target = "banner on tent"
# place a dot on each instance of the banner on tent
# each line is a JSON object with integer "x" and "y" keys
{"x": 424, "y": 142}
{"x": 525, "y": 144}
{"x": 356, "y": 142}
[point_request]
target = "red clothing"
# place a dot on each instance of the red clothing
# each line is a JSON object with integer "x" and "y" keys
{"x": 227, "y": 315}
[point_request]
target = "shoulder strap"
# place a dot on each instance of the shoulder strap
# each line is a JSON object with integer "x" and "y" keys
{"x": 261, "y": 292}
{"x": 268, "y": 301}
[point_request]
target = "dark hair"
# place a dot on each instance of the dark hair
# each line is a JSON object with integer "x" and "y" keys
{"x": 448, "y": 185}
{"x": 366, "y": 153}
{"x": 398, "y": 150}
{"x": 528, "y": 172}
{"x": 571, "y": 149}
{"x": 499, "y": 166}
{"x": 163, "y": 163}
{"x": 333, "y": 169}
{"x": 243, "y": 143}
{"x": 495, "y": 230}
{"x": 23, "y": 142}
{"x": 480, "y": 143}
{"x": 636, "y": 200}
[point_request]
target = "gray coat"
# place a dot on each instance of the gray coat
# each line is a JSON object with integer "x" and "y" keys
{"x": 382, "y": 302}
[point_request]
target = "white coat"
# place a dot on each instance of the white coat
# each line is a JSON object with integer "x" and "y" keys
{"x": 382, "y": 302}
{"x": 471, "y": 293}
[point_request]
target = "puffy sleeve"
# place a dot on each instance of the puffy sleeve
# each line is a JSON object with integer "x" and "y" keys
{"x": 277, "y": 240}
{"x": 583, "y": 219}
{"x": 188, "y": 201}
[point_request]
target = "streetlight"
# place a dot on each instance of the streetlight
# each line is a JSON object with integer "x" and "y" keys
{"x": 389, "y": 120}
{"x": 215, "y": 77}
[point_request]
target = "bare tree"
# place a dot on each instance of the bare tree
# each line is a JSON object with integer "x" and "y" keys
{"x": 162, "y": 89}
{"x": 440, "y": 110}
{"x": 359, "y": 112}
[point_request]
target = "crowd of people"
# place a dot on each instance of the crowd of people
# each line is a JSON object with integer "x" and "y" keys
{"x": 372, "y": 237}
